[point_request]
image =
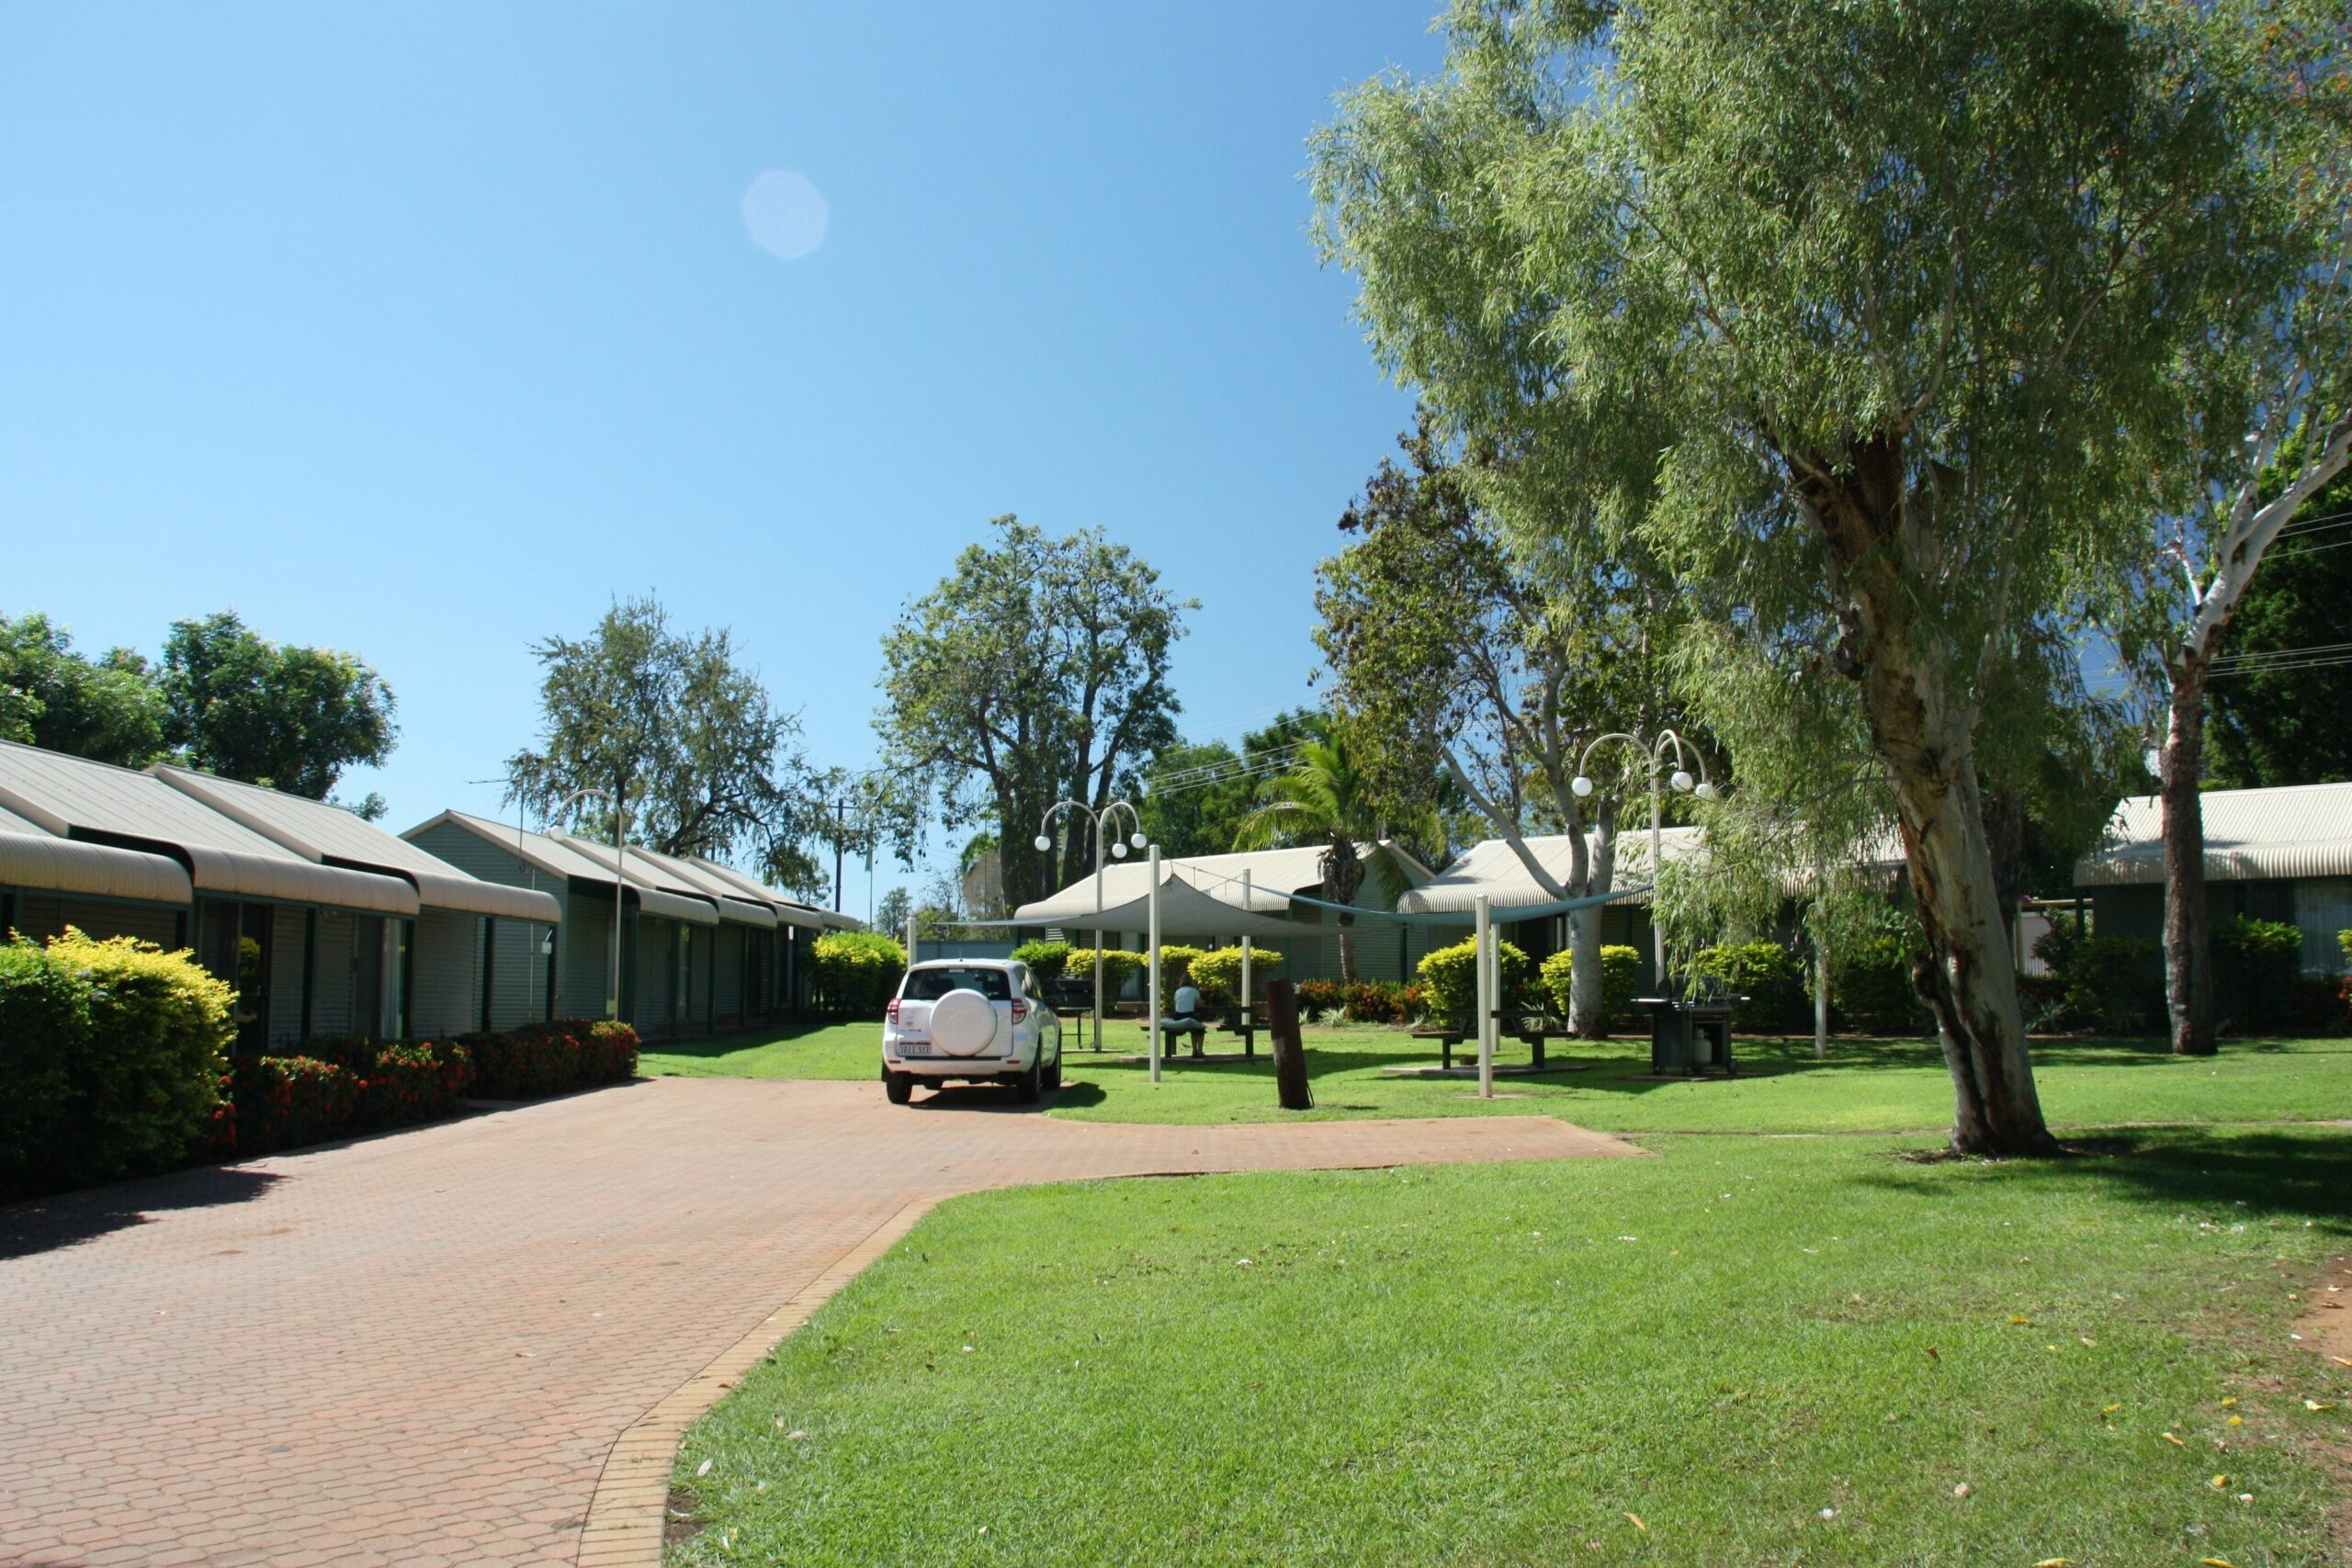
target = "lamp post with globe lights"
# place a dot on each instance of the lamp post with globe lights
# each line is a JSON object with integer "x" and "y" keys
{"x": 1659, "y": 748}
{"x": 1102, "y": 819}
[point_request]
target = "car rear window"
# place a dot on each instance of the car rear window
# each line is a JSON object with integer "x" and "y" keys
{"x": 930, "y": 984}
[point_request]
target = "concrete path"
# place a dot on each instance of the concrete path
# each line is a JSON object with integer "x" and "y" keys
{"x": 421, "y": 1349}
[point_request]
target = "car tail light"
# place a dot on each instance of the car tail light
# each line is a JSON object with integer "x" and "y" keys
{"x": 891, "y": 1013}
{"x": 1019, "y": 1010}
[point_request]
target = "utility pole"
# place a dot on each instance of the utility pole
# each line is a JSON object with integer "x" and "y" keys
{"x": 842, "y": 817}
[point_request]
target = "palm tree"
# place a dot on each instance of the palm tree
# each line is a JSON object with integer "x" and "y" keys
{"x": 1323, "y": 797}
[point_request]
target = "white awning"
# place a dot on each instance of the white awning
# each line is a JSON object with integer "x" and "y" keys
{"x": 2251, "y": 835}
{"x": 49, "y": 864}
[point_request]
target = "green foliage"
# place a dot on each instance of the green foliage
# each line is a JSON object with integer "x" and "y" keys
{"x": 276, "y": 714}
{"x": 1380, "y": 1001}
{"x": 1620, "y": 972}
{"x": 1198, "y": 795}
{"x": 1319, "y": 997}
{"x": 1119, "y": 967}
{"x": 285, "y": 1103}
{"x": 44, "y": 1044}
{"x": 1219, "y": 972}
{"x": 1036, "y": 669}
{"x": 1763, "y": 972}
{"x": 2256, "y": 967}
{"x": 1047, "y": 960}
{"x": 856, "y": 970}
{"x": 1449, "y": 977}
{"x": 1870, "y": 987}
{"x": 2115, "y": 982}
{"x": 108, "y": 709}
{"x": 150, "y": 1077}
{"x": 683, "y": 731}
{"x": 2344, "y": 941}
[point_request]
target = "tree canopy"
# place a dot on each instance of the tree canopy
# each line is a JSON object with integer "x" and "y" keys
{"x": 1196, "y": 794}
{"x": 277, "y": 714}
{"x": 1035, "y": 670}
{"x": 682, "y": 733}
{"x": 1854, "y": 315}
{"x": 2278, "y": 713}
{"x": 107, "y": 709}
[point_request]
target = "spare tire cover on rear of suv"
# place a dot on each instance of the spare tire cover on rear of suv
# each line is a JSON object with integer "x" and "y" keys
{"x": 963, "y": 1023}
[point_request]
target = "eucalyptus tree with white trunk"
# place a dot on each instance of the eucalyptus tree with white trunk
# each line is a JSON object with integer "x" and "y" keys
{"x": 2287, "y": 384}
{"x": 1879, "y": 300}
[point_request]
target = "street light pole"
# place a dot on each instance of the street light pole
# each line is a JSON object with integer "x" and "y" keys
{"x": 1100, "y": 819}
{"x": 1656, "y": 750}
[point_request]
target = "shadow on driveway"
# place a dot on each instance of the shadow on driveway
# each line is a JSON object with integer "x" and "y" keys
{"x": 43, "y": 1225}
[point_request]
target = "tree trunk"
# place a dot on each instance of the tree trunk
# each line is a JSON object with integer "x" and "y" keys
{"x": 2189, "y": 960}
{"x": 1342, "y": 875}
{"x": 1587, "y": 999}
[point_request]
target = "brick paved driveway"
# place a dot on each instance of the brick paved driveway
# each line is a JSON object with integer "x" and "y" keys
{"x": 418, "y": 1349}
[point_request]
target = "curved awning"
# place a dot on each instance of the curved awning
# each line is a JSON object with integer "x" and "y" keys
{"x": 674, "y": 907}
{"x": 96, "y": 871}
{"x": 291, "y": 881}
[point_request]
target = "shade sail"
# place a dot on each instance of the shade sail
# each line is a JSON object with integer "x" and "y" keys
{"x": 1192, "y": 902}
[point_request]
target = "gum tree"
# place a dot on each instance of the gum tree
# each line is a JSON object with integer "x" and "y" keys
{"x": 1878, "y": 294}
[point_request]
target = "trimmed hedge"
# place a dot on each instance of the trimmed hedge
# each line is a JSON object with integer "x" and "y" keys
{"x": 541, "y": 1059}
{"x": 1317, "y": 998}
{"x": 1620, "y": 972}
{"x": 2256, "y": 964}
{"x": 1045, "y": 959}
{"x": 1381, "y": 1002}
{"x": 857, "y": 971}
{"x": 284, "y": 1102}
{"x": 111, "y": 1055}
{"x": 1764, "y": 973}
{"x": 1219, "y": 972}
{"x": 1119, "y": 967}
{"x": 1176, "y": 962}
{"x": 1450, "y": 976}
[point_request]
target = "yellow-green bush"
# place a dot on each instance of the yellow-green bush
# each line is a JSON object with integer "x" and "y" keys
{"x": 1450, "y": 976}
{"x": 856, "y": 970}
{"x": 111, "y": 1055}
{"x": 1620, "y": 972}
{"x": 1119, "y": 967}
{"x": 1219, "y": 972}
{"x": 1176, "y": 962}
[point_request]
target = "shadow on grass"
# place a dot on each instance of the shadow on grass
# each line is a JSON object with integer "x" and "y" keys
{"x": 2273, "y": 1174}
{"x": 43, "y": 1225}
{"x": 711, "y": 1047}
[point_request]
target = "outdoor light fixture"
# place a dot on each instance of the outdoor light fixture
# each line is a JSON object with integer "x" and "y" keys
{"x": 1139, "y": 841}
{"x": 1659, "y": 747}
{"x": 1100, "y": 819}
{"x": 1681, "y": 780}
{"x": 1582, "y": 786}
{"x": 1706, "y": 790}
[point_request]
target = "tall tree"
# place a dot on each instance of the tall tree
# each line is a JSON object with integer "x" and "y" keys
{"x": 108, "y": 709}
{"x": 2277, "y": 707}
{"x": 2267, "y": 423}
{"x": 276, "y": 713}
{"x": 1324, "y": 798}
{"x": 1899, "y": 283}
{"x": 1464, "y": 657}
{"x": 1036, "y": 670}
{"x": 671, "y": 726}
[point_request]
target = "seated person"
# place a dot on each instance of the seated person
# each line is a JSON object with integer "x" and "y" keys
{"x": 1184, "y": 1019}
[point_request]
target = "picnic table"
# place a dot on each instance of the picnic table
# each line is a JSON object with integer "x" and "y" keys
{"x": 1529, "y": 1028}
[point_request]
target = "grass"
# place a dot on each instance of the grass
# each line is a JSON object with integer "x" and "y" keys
{"x": 1504, "y": 1364}
{"x": 1866, "y": 1085}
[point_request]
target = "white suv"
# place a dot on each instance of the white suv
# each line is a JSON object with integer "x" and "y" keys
{"x": 976, "y": 1019}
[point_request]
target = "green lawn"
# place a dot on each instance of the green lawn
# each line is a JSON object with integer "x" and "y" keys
{"x": 1502, "y": 1364}
{"x": 1866, "y": 1085}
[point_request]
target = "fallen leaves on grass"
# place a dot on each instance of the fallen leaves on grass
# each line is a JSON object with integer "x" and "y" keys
{"x": 2173, "y": 1440}
{"x": 1636, "y": 1520}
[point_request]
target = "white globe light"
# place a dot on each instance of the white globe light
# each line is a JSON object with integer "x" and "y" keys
{"x": 1681, "y": 780}
{"x": 1044, "y": 843}
{"x": 1118, "y": 851}
{"x": 1706, "y": 790}
{"x": 1581, "y": 785}
{"x": 1140, "y": 843}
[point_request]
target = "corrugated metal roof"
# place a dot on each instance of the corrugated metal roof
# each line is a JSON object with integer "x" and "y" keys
{"x": 1492, "y": 867}
{"x": 789, "y": 911}
{"x": 30, "y": 858}
{"x": 559, "y": 854}
{"x": 731, "y": 904}
{"x": 325, "y": 833}
{"x": 70, "y": 795}
{"x": 2251, "y": 835}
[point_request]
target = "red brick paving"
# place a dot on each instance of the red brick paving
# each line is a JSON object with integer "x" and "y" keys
{"x": 419, "y": 1350}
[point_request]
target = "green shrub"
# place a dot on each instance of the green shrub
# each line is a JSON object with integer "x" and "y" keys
{"x": 1045, "y": 959}
{"x": 1319, "y": 997}
{"x": 44, "y": 1033}
{"x": 1218, "y": 972}
{"x": 1176, "y": 962}
{"x": 857, "y": 971}
{"x": 285, "y": 1103}
{"x": 611, "y": 1053}
{"x": 1378, "y": 1001}
{"x": 2344, "y": 941}
{"x": 1119, "y": 967}
{"x": 1450, "y": 975}
{"x": 111, "y": 1055}
{"x": 406, "y": 1084}
{"x": 1620, "y": 973}
{"x": 1763, "y": 972}
{"x": 2256, "y": 967}
{"x": 1871, "y": 988}
{"x": 2115, "y": 983}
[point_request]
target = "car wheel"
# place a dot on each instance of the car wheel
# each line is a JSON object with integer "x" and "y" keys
{"x": 1030, "y": 1084}
{"x": 1054, "y": 1075}
{"x": 899, "y": 1086}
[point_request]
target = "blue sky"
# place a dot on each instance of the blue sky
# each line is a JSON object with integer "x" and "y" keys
{"x": 423, "y": 330}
